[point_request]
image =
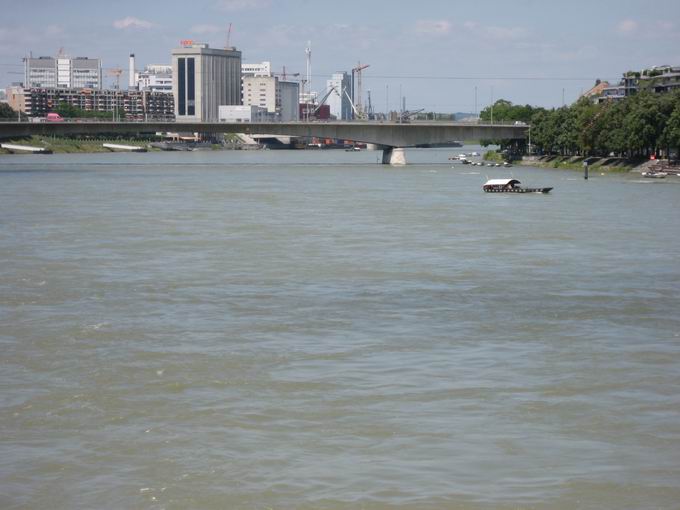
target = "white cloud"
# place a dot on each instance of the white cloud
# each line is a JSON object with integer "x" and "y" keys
{"x": 131, "y": 22}
{"x": 241, "y": 5}
{"x": 433, "y": 27}
{"x": 627, "y": 26}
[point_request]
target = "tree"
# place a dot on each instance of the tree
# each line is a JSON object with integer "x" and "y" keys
{"x": 67, "y": 110}
{"x": 505, "y": 111}
{"x": 643, "y": 124}
{"x": 587, "y": 127}
{"x": 544, "y": 130}
{"x": 671, "y": 133}
{"x": 7, "y": 113}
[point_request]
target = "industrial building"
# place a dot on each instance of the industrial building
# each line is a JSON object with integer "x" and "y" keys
{"x": 204, "y": 79}
{"x": 62, "y": 72}
{"x": 289, "y": 101}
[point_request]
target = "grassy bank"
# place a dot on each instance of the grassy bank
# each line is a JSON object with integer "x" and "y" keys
{"x": 493, "y": 156}
{"x": 608, "y": 164}
{"x": 74, "y": 145}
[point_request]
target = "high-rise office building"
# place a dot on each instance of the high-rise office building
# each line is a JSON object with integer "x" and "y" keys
{"x": 62, "y": 72}
{"x": 204, "y": 79}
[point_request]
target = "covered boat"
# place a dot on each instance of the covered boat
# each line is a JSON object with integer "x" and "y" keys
{"x": 510, "y": 186}
{"x": 654, "y": 174}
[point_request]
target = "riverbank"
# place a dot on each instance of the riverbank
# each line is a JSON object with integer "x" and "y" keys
{"x": 63, "y": 145}
{"x": 73, "y": 146}
{"x": 607, "y": 164}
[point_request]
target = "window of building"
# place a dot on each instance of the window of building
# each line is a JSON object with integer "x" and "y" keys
{"x": 181, "y": 86}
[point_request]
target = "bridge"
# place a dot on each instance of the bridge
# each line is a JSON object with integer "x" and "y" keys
{"x": 391, "y": 137}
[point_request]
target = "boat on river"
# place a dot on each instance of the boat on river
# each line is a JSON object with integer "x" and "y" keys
{"x": 653, "y": 174}
{"x": 510, "y": 186}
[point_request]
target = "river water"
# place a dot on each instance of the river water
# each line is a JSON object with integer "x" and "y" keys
{"x": 312, "y": 330}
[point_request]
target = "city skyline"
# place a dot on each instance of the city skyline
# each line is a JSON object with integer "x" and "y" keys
{"x": 440, "y": 56}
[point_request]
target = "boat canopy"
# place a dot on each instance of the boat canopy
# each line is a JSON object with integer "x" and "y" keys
{"x": 501, "y": 182}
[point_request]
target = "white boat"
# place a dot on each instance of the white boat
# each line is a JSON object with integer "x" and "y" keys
{"x": 654, "y": 175}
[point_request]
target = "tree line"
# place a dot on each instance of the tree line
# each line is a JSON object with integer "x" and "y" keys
{"x": 67, "y": 110}
{"x": 636, "y": 126}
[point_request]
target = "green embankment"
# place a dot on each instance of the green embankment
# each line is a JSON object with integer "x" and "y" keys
{"x": 493, "y": 156}
{"x": 60, "y": 145}
{"x": 595, "y": 164}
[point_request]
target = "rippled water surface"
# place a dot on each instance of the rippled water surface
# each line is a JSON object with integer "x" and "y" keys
{"x": 284, "y": 330}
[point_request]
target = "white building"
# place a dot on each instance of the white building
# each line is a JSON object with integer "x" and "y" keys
{"x": 278, "y": 97}
{"x": 261, "y": 69}
{"x": 241, "y": 113}
{"x": 260, "y": 91}
{"x": 62, "y": 72}
{"x": 338, "y": 101}
{"x": 155, "y": 78}
{"x": 204, "y": 79}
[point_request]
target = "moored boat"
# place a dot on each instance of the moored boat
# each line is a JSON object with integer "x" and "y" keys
{"x": 510, "y": 186}
{"x": 654, "y": 175}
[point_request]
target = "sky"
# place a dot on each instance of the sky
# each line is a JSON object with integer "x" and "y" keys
{"x": 444, "y": 56}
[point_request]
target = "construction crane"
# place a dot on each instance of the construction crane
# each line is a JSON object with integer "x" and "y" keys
{"x": 115, "y": 71}
{"x": 324, "y": 98}
{"x": 351, "y": 103}
{"x": 284, "y": 76}
{"x": 369, "y": 108}
{"x": 405, "y": 116}
{"x": 228, "y": 46}
{"x": 357, "y": 98}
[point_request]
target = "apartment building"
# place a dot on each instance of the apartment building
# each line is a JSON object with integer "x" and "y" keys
{"x": 129, "y": 105}
{"x": 657, "y": 79}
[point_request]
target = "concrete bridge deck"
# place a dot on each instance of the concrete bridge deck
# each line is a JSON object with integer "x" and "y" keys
{"x": 388, "y": 135}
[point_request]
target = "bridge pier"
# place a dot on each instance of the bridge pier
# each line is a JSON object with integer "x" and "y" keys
{"x": 394, "y": 156}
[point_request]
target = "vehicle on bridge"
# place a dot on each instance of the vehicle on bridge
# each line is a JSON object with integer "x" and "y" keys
{"x": 54, "y": 117}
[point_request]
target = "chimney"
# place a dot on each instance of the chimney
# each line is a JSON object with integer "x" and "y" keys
{"x": 132, "y": 83}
